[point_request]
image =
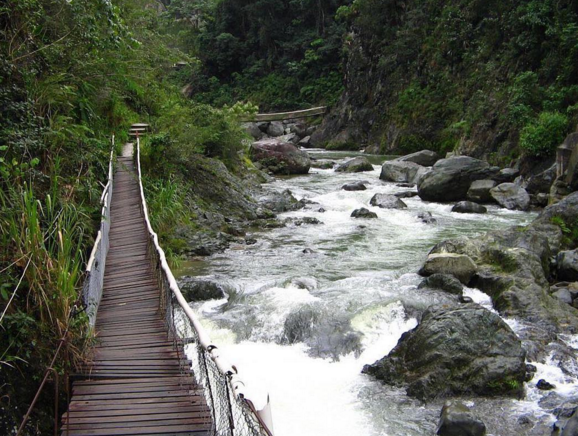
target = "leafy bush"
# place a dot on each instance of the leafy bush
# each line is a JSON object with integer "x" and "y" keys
{"x": 542, "y": 136}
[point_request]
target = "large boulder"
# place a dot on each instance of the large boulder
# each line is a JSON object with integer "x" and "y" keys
{"x": 355, "y": 165}
{"x": 253, "y": 130}
{"x": 457, "y": 419}
{"x": 506, "y": 175}
{"x": 275, "y": 129}
{"x": 445, "y": 282}
{"x": 398, "y": 171}
{"x": 363, "y": 213}
{"x": 568, "y": 265}
{"x": 425, "y": 158}
{"x": 450, "y": 179}
{"x": 387, "y": 201}
{"x": 460, "y": 266}
{"x": 196, "y": 289}
{"x": 468, "y": 207}
{"x": 283, "y": 201}
{"x": 479, "y": 191}
{"x": 280, "y": 157}
{"x": 354, "y": 186}
{"x": 542, "y": 182}
{"x": 458, "y": 350}
{"x": 511, "y": 196}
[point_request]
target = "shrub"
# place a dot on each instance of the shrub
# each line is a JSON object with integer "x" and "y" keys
{"x": 542, "y": 136}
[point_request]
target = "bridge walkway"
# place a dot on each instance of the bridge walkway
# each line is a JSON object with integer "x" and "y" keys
{"x": 139, "y": 381}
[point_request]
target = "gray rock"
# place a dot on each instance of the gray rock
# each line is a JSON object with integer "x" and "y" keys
{"x": 458, "y": 350}
{"x": 445, "y": 282}
{"x": 280, "y": 157}
{"x": 511, "y": 196}
{"x": 281, "y": 201}
{"x": 253, "y": 130}
{"x": 262, "y": 125}
{"x": 426, "y": 217}
{"x": 363, "y": 213}
{"x": 300, "y": 129}
{"x": 355, "y": 165}
{"x": 568, "y": 265}
{"x": 563, "y": 295}
{"x": 468, "y": 207}
{"x": 323, "y": 164}
{"x": 290, "y": 137}
{"x": 305, "y": 142}
{"x": 506, "y": 175}
{"x": 479, "y": 191}
{"x": 405, "y": 185}
{"x": 543, "y": 385}
{"x": 425, "y": 158}
{"x": 542, "y": 182}
{"x": 386, "y": 201}
{"x": 355, "y": 186}
{"x": 275, "y": 129}
{"x": 460, "y": 266}
{"x": 406, "y": 194}
{"x": 195, "y": 289}
{"x": 457, "y": 419}
{"x": 571, "y": 427}
{"x": 450, "y": 179}
{"x": 398, "y": 171}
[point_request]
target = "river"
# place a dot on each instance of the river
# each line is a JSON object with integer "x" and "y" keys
{"x": 309, "y": 305}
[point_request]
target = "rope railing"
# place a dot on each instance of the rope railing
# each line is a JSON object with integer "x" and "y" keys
{"x": 233, "y": 412}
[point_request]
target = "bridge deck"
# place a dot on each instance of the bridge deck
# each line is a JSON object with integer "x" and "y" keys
{"x": 137, "y": 383}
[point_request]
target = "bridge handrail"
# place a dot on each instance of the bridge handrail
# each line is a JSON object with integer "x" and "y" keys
{"x": 227, "y": 371}
{"x": 92, "y": 289}
{"x": 279, "y": 116}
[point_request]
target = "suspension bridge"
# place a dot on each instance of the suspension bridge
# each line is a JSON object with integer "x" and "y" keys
{"x": 153, "y": 369}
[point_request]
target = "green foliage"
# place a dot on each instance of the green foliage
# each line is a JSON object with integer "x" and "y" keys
{"x": 541, "y": 137}
{"x": 569, "y": 232}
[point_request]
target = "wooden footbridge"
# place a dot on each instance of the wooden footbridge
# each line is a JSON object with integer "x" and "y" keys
{"x": 154, "y": 370}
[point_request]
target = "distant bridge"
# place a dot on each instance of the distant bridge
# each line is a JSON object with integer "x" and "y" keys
{"x": 280, "y": 116}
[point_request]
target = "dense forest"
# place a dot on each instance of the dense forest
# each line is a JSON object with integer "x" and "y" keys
{"x": 493, "y": 79}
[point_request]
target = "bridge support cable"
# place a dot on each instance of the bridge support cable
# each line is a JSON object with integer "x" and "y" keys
{"x": 234, "y": 412}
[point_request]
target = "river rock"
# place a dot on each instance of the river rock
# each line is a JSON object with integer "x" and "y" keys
{"x": 567, "y": 262}
{"x": 511, "y": 196}
{"x": 542, "y": 182}
{"x": 355, "y": 165}
{"x": 445, "y": 282}
{"x": 262, "y": 125}
{"x": 281, "y": 201}
{"x": 305, "y": 142}
{"x": 543, "y": 385}
{"x": 280, "y": 157}
{"x": 460, "y": 266}
{"x": 406, "y": 194}
{"x": 195, "y": 289}
{"x": 290, "y": 137}
{"x": 323, "y": 164}
{"x": 399, "y": 171}
{"x": 275, "y": 129}
{"x": 563, "y": 295}
{"x": 300, "y": 129}
{"x": 450, "y": 179}
{"x": 571, "y": 426}
{"x": 506, "y": 175}
{"x": 253, "y": 130}
{"x": 457, "y": 419}
{"x": 468, "y": 207}
{"x": 387, "y": 201}
{"x": 426, "y": 217}
{"x": 355, "y": 186}
{"x": 457, "y": 350}
{"x": 363, "y": 213}
{"x": 479, "y": 191}
{"x": 425, "y": 158}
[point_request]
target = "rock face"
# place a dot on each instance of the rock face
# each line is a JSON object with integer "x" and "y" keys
{"x": 355, "y": 186}
{"x": 511, "y": 196}
{"x": 460, "y": 266}
{"x": 468, "y": 207}
{"x": 460, "y": 350}
{"x": 195, "y": 289}
{"x": 457, "y": 419}
{"x": 399, "y": 171}
{"x": 479, "y": 191}
{"x": 425, "y": 158}
{"x": 450, "y": 179}
{"x": 363, "y": 213}
{"x": 280, "y": 157}
{"x": 445, "y": 282}
{"x": 568, "y": 265}
{"x": 355, "y": 165}
{"x": 386, "y": 201}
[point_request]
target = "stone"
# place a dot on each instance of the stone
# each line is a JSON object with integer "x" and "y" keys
{"x": 323, "y": 164}
{"x": 457, "y": 419}
{"x": 543, "y": 385}
{"x": 450, "y": 179}
{"x": 567, "y": 262}
{"x": 300, "y": 129}
{"x": 363, "y": 213}
{"x": 387, "y": 201}
{"x": 275, "y": 129}
{"x": 506, "y": 175}
{"x": 460, "y": 266}
{"x": 399, "y": 171}
{"x": 355, "y": 165}
{"x": 563, "y": 295}
{"x": 262, "y": 125}
{"x": 461, "y": 350}
{"x": 542, "y": 182}
{"x": 405, "y": 185}
{"x": 511, "y": 196}
{"x": 280, "y": 157}
{"x": 468, "y": 207}
{"x": 195, "y": 289}
{"x": 290, "y": 137}
{"x": 445, "y": 282}
{"x": 425, "y": 158}
{"x": 305, "y": 142}
{"x": 406, "y": 194}
{"x": 479, "y": 191}
{"x": 571, "y": 427}
{"x": 253, "y": 130}
{"x": 281, "y": 201}
{"x": 355, "y": 186}
{"x": 465, "y": 299}
{"x": 426, "y": 217}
